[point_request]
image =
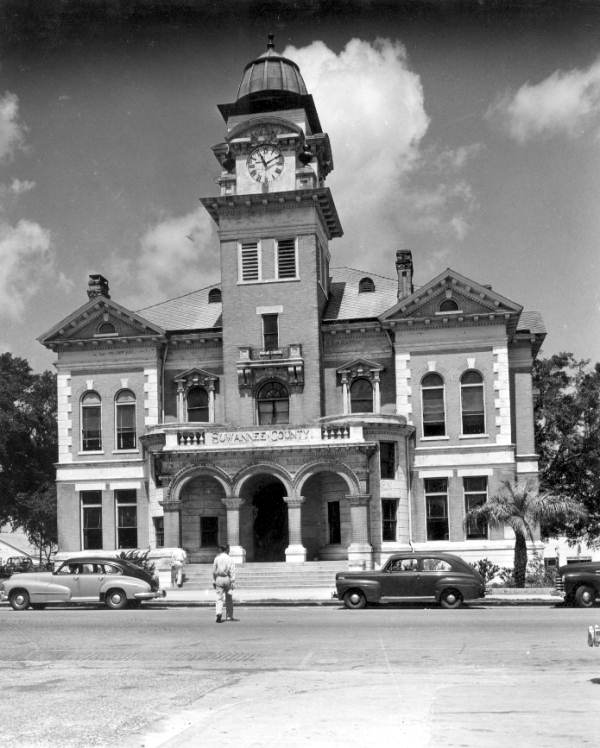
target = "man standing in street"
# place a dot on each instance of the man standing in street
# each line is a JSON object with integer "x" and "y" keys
{"x": 178, "y": 559}
{"x": 223, "y": 581}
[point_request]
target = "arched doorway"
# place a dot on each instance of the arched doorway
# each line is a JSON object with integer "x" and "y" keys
{"x": 268, "y": 530}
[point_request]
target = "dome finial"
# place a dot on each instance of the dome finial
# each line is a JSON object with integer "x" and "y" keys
{"x": 270, "y": 41}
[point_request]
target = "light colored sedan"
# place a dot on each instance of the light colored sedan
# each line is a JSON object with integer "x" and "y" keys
{"x": 115, "y": 582}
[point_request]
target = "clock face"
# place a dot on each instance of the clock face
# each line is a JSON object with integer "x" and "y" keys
{"x": 265, "y": 163}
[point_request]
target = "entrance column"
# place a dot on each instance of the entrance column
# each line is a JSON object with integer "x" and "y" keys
{"x": 172, "y": 515}
{"x": 360, "y": 552}
{"x": 233, "y": 504}
{"x": 295, "y": 553}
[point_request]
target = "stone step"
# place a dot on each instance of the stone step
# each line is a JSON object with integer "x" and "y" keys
{"x": 270, "y": 575}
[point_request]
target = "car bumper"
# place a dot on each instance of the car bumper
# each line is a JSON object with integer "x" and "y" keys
{"x": 150, "y": 595}
{"x": 3, "y": 596}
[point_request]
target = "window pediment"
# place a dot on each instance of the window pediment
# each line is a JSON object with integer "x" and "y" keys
{"x": 360, "y": 368}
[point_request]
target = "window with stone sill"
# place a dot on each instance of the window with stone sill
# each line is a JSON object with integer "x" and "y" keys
{"x": 91, "y": 422}
{"x": 361, "y": 396}
{"x": 433, "y": 403}
{"x": 472, "y": 405}
{"x": 125, "y": 417}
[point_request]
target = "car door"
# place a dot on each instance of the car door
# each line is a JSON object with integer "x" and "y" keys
{"x": 431, "y": 570}
{"x": 399, "y": 578}
{"x": 87, "y": 582}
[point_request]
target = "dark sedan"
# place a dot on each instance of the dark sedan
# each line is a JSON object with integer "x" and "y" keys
{"x": 414, "y": 575}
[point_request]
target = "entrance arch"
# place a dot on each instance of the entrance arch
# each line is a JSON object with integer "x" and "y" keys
{"x": 264, "y": 525}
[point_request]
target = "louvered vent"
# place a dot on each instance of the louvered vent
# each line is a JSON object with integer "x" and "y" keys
{"x": 250, "y": 269}
{"x": 286, "y": 258}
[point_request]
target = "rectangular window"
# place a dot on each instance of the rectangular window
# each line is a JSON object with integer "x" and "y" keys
{"x": 126, "y": 436}
{"x": 270, "y": 332}
{"x": 389, "y": 511}
{"x": 387, "y": 460}
{"x": 434, "y": 420}
{"x": 209, "y": 532}
{"x": 473, "y": 416}
{"x": 436, "y": 500}
{"x": 286, "y": 258}
{"x": 334, "y": 522}
{"x": 159, "y": 531}
{"x": 91, "y": 520}
{"x": 127, "y": 534}
{"x": 249, "y": 262}
{"x": 475, "y": 489}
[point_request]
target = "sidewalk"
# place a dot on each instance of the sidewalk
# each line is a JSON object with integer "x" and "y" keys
{"x": 322, "y": 596}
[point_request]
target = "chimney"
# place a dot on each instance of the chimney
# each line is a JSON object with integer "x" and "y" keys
{"x": 97, "y": 286}
{"x": 404, "y": 268}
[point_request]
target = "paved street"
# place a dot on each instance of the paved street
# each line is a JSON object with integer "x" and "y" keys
{"x": 300, "y": 676}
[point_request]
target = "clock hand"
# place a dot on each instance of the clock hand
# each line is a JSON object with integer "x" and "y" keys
{"x": 275, "y": 158}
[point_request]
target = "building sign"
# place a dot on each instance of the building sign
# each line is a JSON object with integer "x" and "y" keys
{"x": 257, "y": 437}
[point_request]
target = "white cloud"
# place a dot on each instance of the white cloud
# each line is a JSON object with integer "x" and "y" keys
{"x": 26, "y": 260}
{"x": 12, "y": 133}
{"x": 563, "y": 103}
{"x": 173, "y": 255}
{"x": 372, "y": 106}
{"x": 20, "y": 186}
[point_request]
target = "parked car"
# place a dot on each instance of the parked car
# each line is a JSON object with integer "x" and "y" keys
{"x": 578, "y": 584}
{"x": 115, "y": 582}
{"x": 16, "y": 564}
{"x": 418, "y": 575}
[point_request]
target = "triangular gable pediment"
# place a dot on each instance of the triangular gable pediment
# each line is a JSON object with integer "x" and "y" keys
{"x": 196, "y": 376}
{"x": 472, "y": 299}
{"x": 360, "y": 366}
{"x": 100, "y": 319}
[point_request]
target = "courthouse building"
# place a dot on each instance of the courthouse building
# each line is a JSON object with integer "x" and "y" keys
{"x": 296, "y": 410}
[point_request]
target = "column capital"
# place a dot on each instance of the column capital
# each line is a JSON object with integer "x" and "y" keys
{"x": 294, "y": 501}
{"x": 360, "y": 499}
{"x": 170, "y": 506}
{"x": 232, "y": 502}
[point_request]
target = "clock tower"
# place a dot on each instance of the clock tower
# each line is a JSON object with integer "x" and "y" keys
{"x": 275, "y": 217}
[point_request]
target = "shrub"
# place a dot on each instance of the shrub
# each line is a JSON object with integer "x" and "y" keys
{"x": 486, "y": 568}
{"x": 139, "y": 558}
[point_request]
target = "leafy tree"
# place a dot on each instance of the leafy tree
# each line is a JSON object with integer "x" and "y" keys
{"x": 37, "y": 517}
{"x": 567, "y": 424}
{"x": 28, "y": 446}
{"x": 522, "y": 508}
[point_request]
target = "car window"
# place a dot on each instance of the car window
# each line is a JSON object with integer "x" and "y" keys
{"x": 87, "y": 569}
{"x": 436, "y": 564}
{"x": 403, "y": 564}
{"x": 111, "y": 569}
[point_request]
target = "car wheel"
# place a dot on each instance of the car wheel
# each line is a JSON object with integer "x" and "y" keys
{"x": 585, "y": 596}
{"x": 19, "y": 600}
{"x": 135, "y": 604}
{"x": 116, "y": 599}
{"x": 38, "y": 606}
{"x": 355, "y": 599}
{"x": 450, "y": 599}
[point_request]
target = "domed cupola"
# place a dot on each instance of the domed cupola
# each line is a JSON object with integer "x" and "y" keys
{"x": 272, "y": 83}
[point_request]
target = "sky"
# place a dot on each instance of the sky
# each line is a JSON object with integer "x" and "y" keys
{"x": 468, "y": 132}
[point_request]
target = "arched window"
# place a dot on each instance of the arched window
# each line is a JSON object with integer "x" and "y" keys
{"x": 197, "y": 404}
{"x": 273, "y": 404}
{"x": 434, "y": 411}
{"x": 366, "y": 285}
{"x": 91, "y": 422}
{"x": 471, "y": 400}
{"x": 125, "y": 420}
{"x": 448, "y": 305}
{"x": 106, "y": 328}
{"x": 361, "y": 396}
{"x": 214, "y": 295}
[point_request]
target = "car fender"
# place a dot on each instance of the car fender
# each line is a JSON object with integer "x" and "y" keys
{"x": 466, "y": 588}
{"x": 369, "y": 587}
{"x": 129, "y": 585}
{"x": 38, "y": 590}
{"x": 572, "y": 581}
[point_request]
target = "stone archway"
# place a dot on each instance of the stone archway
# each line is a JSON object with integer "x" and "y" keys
{"x": 264, "y": 532}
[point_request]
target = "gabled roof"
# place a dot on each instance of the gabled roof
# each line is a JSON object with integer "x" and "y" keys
{"x": 192, "y": 311}
{"x": 84, "y": 324}
{"x": 347, "y": 303}
{"x": 472, "y": 299}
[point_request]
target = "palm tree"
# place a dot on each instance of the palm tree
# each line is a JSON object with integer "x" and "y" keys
{"x": 522, "y": 508}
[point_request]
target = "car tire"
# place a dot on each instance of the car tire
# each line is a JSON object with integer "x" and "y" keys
{"x": 450, "y": 599}
{"x": 585, "y": 596}
{"x": 355, "y": 599}
{"x": 19, "y": 599}
{"x": 116, "y": 599}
